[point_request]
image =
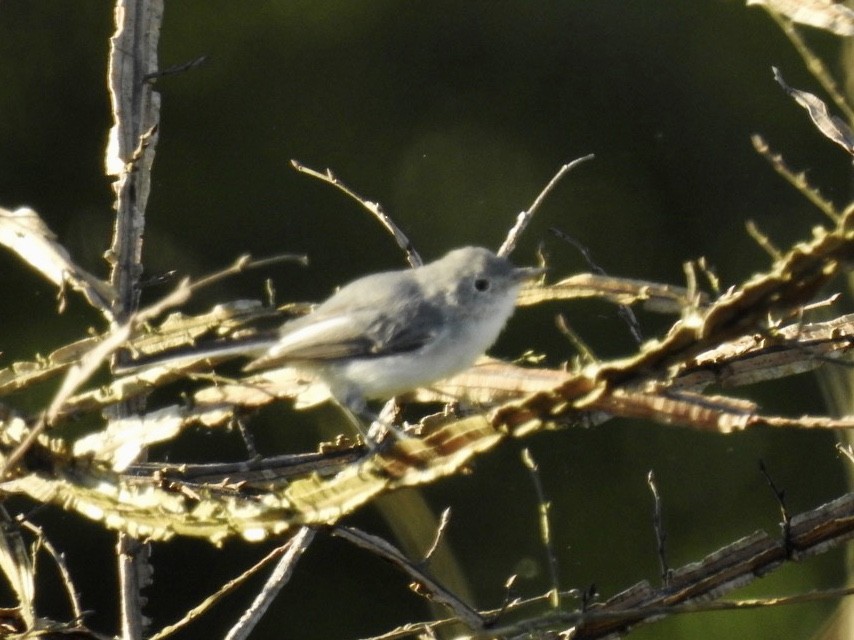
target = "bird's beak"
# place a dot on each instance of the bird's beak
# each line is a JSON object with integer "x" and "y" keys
{"x": 524, "y": 274}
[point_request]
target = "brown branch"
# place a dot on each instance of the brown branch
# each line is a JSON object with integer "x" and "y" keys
{"x": 692, "y": 588}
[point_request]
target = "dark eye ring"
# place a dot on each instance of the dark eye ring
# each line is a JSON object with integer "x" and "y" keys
{"x": 481, "y": 284}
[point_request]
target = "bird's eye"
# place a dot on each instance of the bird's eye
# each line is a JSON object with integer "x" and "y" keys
{"x": 481, "y": 284}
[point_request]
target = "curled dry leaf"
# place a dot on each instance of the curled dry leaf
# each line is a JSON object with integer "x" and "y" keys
{"x": 830, "y": 15}
{"x": 120, "y": 444}
{"x": 25, "y": 233}
{"x": 655, "y": 297}
{"x": 833, "y": 127}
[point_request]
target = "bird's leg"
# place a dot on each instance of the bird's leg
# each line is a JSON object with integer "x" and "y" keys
{"x": 381, "y": 425}
{"x": 358, "y": 413}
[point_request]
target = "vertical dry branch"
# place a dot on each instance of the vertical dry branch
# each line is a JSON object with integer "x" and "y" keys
{"x": 129, "y": 157}
{"x": 133, "y": 137}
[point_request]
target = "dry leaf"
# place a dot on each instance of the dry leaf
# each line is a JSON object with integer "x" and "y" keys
{"x": 822, "y": 14}
{"x": 831, "y": 126}
{"x": 25, "y": 233}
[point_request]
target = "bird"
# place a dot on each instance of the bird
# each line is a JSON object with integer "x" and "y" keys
{"x": 388, "y": 333}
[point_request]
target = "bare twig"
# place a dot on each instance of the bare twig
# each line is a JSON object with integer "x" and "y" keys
{"x": 762, "y": 240}
{"x": 245, "y": 263}
{"x": 176, "y": 69}
{"x": 797, "y": 180}
{"x": 61, "y": 566}
{"x": 279, "y": 577}
{"x": 780, "y": 497}
{"x": 544, "y": 507}
{"x": 585, "y": 352}
{"x": 374, "y": 208}
{"x": 444, "y": 519}
{"x": 625, "y": 312}
{"x": 437, "y": 592}
{"x": 660, "y": 533}
{"x": 525, "y": 217}
{"x": 289, "y": 553}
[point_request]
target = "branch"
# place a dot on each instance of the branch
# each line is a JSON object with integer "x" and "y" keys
{"x": 374, "y": 208}
{"x": 130, "y": 155}
{"x": 525, "y": 217}
{"x": 692, "y": 588}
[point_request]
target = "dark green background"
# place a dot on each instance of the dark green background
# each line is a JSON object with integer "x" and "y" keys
{"x": 453, "y": 115}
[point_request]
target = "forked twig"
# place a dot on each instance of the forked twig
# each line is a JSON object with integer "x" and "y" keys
{"x": 624, "y": 311}
{"x": 290, "y": 552}
{"x": 61, "y": 566}
{"x": 245, "y": 263}
{"x": 797, "y": 180}
{"x": 279, "y": 577}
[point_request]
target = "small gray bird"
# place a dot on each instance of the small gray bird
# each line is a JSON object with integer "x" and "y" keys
{"x": 392, "y": 332}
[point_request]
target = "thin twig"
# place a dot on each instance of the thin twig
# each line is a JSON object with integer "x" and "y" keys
{"x": 780, "y": 497}
{"x": 507, "y": 601}
{"x": 762, "y": 240}
{"x": 545, "y": 526}
{"x": 444, "y": 519}
{"x": 61, "y": 566}
{"x": 660, "y": 533}
{"x": 525, "y": 217}
{"x": 278, "y": 578}
{"x": 245, "y": 263}
{"x": 585, "y": 352}
{"x": 624, "y": 311}
{"x": 437, "y": 592}
{"x": 711, "y": 277}
{"x": 797, "y": 180}
{"x": 175, "y": 69}
{"x": 374, "y": 208}
{"x": 230, "y": 586}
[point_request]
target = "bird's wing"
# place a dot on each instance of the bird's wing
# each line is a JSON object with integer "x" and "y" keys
{"x": 352, "y": 334}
